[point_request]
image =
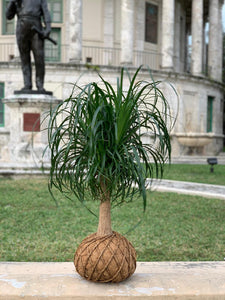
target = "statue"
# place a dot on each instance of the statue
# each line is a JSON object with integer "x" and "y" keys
{"x": 30, "y": 37}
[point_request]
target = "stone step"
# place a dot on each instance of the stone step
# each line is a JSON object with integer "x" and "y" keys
{"x": 14, "y": 169}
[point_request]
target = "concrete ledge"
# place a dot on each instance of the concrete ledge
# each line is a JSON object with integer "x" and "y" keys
{"x": 160, "y": 280}
{"x": 189, "y": 188}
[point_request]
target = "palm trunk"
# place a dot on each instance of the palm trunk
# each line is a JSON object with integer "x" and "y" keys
{"x": 104, "y": 225}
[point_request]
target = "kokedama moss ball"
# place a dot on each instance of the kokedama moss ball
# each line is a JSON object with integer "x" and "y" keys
{"x": 109, "y": 258}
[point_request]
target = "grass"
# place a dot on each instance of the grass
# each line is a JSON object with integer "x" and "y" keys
{"x": 173, "y": 228}
{"x": 195, "y": 173}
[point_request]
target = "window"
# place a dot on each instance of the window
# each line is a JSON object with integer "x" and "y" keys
{"x": 151, "y": 23}
{"x": 55, "y": 9}
{"x": 1, "y": 104}
{"x": 8, "y": 26}
{"x": 210, "y": 114}
{"x": 53, "y": 52}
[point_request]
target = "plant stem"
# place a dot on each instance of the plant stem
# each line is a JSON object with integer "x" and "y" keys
{"x": 104, "y": 224}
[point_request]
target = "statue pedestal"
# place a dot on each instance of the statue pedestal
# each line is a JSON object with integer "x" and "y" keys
{"x": 27, "y": 125}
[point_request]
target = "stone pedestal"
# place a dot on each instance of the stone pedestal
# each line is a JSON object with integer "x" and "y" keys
{"x": 28, "y": 122}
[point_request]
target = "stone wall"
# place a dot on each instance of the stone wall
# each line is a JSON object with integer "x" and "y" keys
{"x": 186, "y": 94}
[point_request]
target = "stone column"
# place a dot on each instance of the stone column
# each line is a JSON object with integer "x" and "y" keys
{"x": 220, "y": 43}
{"x": 16, "y": 49}
{"x": 139, "y": 30}
{"x": 108, "y": 32}
{"x": 127, "y": 28}
{"x": 177, "y": 39}
{"x": 168, "y": 8}
{"x": 75, "y": 45}
{"x": 197, "y": 37}
{"x": 215, "y": 42}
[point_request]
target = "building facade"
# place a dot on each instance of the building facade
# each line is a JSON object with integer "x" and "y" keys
{"x": 179, "y": 40}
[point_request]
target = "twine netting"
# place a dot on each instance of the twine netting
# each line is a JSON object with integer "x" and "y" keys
{"x": 109, "y": 258}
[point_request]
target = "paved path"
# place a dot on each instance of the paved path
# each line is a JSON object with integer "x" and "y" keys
{"x": 190, "y": 188}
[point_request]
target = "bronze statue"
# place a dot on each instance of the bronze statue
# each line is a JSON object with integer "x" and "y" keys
{"x": 30, "y": 37}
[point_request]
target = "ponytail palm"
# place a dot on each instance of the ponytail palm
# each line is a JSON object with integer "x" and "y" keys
{"x": 99, "y": 144}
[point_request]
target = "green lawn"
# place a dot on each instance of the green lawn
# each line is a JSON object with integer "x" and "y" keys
{"x": 174, "y": 227}
{"x": 195, "y": 173}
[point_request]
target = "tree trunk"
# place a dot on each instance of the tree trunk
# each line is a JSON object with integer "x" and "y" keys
{"x": 104, "y": 225}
